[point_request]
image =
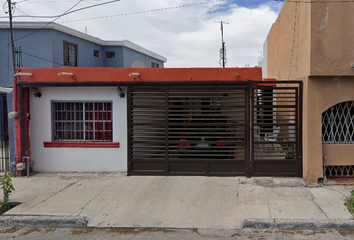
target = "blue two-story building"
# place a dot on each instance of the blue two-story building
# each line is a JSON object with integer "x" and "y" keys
{"x": 51, "y": 45}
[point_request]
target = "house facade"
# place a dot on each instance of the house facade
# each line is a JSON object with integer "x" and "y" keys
{"x": 312, "y": 42}
{"x": 51, "y": 45}
{"x": 191, "y": 121}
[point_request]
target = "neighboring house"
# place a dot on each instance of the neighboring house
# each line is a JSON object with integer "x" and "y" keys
{"x": 313, "y": 42}
{"x": 166, "y": 121}
{"x": 51, "y": 45}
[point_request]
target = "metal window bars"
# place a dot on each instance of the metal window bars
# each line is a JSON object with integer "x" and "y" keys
{"x": 82, "y": 121}
{"x": 338, "y": 124}
{"x": 339, "y": 171}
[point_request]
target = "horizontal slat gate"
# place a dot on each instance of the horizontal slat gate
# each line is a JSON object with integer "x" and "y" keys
{"x": 250, "y": 129}
{"x": 187, "y": 131}
{"x": 276, "y": 145}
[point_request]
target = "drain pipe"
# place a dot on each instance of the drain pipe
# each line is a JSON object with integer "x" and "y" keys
{"x": 324, "y": 169}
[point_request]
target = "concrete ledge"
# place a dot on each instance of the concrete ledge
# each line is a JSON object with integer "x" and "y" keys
{"x": 43, "y": 221}
{"x": 300, "y": 224}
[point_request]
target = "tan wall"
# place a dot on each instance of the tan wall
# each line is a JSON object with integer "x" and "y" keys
{"x": 290, "y": 33}
{"x": 323, "y": 94}
{"x": 338, "y": 154}
{"x": 332, "y": 39}
{"x": 288, "y": 50}
{"x": 314, "y": 39}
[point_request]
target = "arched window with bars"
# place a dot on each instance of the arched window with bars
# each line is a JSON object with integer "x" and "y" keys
{"x": 338, "y": 124}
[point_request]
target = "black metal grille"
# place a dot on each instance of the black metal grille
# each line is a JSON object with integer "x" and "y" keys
{"x": 276, "y": 131}
{"x": 70, "y": 54}
{"x": 82, "y": 121}
{"x": 205, "y": 130}
{"x": 338, "y": 124}
{"x": 4, "y": 137}
{"x": 339, "y": 171}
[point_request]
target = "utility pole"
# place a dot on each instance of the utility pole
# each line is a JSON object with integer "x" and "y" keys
{"x": 12, "y": 35}
{"x": 223, "y": 52}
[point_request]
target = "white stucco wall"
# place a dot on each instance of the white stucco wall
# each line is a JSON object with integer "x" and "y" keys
{"x": 77, "y": 159}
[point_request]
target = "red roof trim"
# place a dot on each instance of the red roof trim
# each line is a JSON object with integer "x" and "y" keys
{"x": 87, "y": 75}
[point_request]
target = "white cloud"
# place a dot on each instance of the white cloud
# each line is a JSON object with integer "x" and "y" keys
{"x": 186, "y": 36}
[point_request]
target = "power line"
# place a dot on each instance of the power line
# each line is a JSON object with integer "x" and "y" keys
{"x": 146, "y": 11}
{"x": 12, "y": 36}
{"x": 18, "y": 9}
{"x": 48, "y": 22}
{"x": 60, "y": 1}
{"x": 76, "y": 10}
{"x": 31, "y": 55}
{"x": 13, "y": 41}
{"x": 65, "y": 13}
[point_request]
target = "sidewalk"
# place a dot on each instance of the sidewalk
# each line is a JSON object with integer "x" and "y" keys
{"x": 107, "y": 200}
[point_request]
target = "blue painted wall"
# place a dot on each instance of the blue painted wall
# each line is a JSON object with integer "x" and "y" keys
{"x": 6, "y": 69}
{"x": 84, "y": 48}
{"x": 118, "y": 60}
{"x": 44, "y": 49}
{"x": 130, "y": 56}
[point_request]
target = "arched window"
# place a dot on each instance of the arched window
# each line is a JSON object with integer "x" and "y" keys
{"x": 338, "y": 124}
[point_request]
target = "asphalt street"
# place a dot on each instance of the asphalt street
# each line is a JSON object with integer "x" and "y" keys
{"x": 165, "y": 234}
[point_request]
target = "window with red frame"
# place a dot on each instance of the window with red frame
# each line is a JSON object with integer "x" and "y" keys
{"x": 82, "y": 121}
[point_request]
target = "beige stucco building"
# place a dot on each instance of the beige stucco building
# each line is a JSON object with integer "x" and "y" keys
{"x": 313, "y": 41}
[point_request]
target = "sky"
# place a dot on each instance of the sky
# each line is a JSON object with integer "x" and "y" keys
{"x": 186, "y": 32}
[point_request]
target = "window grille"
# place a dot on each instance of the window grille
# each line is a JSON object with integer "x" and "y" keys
{"x": 338, "y": 124}
{"x": 154, "y": 65}
{"x": 96, "y": 53}
{"x": 82, "y": 121}
{"x": 340, "y": 171}
{"x": 70, "y": 54}
{"x": 110, "y": 54}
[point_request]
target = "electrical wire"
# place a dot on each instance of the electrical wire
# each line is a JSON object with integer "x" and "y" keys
{"x": 61, "y": 1}
{"x": 18, "y": 9}
{"x": 31, "y": 55}
{"x": 76, "y": 10}
{"x": 48, "y": 22}
{"x": 146, "y": 11}
{"x": 31, "y": 16}
{"x": 43, "y": 26}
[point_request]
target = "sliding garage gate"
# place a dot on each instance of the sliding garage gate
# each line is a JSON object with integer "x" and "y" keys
{"x": 242, "y": 129}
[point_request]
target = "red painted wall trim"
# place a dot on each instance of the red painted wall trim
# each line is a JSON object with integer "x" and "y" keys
{"x": 106, "y": 75}
{"x": 266, "y": 85}
{"x": 17, "y": 125}
{"x": 81, "y": 144}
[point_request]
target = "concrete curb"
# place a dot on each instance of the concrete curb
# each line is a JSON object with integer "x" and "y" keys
{"x": 43, "y": 221}
{"x": 300, "y": 224}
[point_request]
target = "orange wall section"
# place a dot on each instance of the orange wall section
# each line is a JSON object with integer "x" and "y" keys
{"x": 107, "y": 75}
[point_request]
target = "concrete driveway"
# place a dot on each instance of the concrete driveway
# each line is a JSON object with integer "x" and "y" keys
{"x": 116, "y": 200}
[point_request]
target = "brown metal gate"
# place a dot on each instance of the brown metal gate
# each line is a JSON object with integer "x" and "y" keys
{"x": 4, "y": 136}
{"x": 206, "y": 129}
